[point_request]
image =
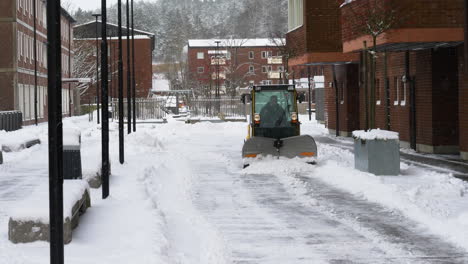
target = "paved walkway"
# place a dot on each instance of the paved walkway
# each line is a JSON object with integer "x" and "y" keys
{"x": 439, "y": 163}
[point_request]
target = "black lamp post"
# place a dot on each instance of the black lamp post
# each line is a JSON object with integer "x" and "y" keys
{"x": 217, "y": 68}
{"x": 133, "y": 71}
{"x": 35, "y": 61}
{"x": 121, "y": 115}
{"x": 55, "y": 130}
{"x": 97, "y": 66}
{"x": 129, "y": 75}
{"x": 105, "y": 104}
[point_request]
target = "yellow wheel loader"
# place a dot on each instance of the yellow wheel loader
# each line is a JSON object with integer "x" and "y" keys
{"x": 274, "y": 128}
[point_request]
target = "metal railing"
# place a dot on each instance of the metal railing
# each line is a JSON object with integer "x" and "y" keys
{"x": 146, "y": 109}
{"x": 213, "y": 107}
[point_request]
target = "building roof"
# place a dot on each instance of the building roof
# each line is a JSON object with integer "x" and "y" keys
{"x": 67, "y": 15}
{"x": 88, "y": 31}
{"x": 259, "y": 42}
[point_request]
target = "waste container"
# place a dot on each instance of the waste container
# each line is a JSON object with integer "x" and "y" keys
{"x": 377, "y": 152}
{"x": 72, "y": 154}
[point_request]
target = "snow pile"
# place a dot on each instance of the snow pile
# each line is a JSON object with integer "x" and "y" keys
{"x": 375, "y": 134}
{"x": 36, "y": 207}
{"x": 71, "y": 136}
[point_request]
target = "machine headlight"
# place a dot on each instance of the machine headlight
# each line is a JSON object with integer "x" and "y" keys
{"x": 257, "y": 118}
{"x": 294, "y": 116}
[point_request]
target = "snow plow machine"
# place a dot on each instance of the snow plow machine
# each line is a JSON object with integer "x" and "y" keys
{"x": 274, "y": 128}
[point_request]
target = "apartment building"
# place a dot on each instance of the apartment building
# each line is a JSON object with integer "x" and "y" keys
{"x": 23, "y": 64}
{"x": 420, "y": 77}
{"x": 314, "y": 39}
{"x": 234, "y": 63}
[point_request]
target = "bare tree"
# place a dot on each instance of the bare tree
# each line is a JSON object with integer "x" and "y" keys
{"x": 373, "y": 18}
{"x": 84, "y": 63}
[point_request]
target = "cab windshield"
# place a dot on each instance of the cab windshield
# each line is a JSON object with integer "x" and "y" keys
{"x": 275, "y": 108}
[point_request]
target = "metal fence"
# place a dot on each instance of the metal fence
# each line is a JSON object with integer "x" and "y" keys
{"x": 222, "y": 108}
{"x": 146, "y": 109}
{"x": 11, "y": 120}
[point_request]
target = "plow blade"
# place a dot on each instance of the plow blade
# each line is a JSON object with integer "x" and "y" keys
{"x": 299, "y": 146}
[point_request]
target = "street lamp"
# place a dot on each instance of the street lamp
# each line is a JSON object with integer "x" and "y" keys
{"x": 129, "y": 77}
{"x": 105, "y": 104}
{"x": 120, "y": 74}
{"x": 55, "y": 131}
{"x": 133, "y": 71}
{"x": 217, "y": 68}
{"x": 97, "y": 66}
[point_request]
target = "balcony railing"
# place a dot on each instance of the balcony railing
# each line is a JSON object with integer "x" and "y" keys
{"x": 275, "y": 60}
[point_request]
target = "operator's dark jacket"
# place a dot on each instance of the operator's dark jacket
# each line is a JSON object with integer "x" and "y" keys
{"x": 272, "y": 115}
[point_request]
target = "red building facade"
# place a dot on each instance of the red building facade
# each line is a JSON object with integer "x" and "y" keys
{"x": 144, "y": 46}
{"x": 315, "y": 41}
{"x": 420, "y": 86}
{"x": 23, "y": 58}
{"x": 234, "y": 63}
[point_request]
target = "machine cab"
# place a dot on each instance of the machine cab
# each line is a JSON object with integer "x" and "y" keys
{"x": 274, "y": 111}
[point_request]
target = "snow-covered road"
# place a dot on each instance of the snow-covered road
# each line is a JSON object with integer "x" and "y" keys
{"x": 183, "y": 197}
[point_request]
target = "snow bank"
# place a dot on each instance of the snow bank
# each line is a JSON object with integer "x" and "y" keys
{"x": 36, "y": 207}
{"x": 375, "y": 134}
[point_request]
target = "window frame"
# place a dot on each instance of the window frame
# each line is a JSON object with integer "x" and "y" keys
{"x": 200, "y": 55}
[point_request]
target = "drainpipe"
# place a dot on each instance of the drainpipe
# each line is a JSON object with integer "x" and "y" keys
{"x": 387, "y": 91}
{"x": 337, "y": 102}
{"x": 466, "y": 36}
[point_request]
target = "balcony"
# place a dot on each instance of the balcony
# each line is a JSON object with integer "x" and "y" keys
{"x": 274, "y": 75}
{"x": 408, "y": 25}
{"x": 275, "y": 60}
{"x": 218, "y": 60}
{"x": 222, "y": 75}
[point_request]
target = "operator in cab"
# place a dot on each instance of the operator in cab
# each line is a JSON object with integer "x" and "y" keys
{"x": 273, "y": 115}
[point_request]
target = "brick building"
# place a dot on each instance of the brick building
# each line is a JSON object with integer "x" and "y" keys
{"x": 420, "y": 86}
{"x": 315, "y": 43}
{"x": 239, "y": 63}
{"x": 420, "y": 80}
{"x": 19, "y": 64}
{"x": 85, "y": 36}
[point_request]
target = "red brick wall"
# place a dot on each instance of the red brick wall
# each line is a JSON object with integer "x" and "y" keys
{"x": 143, "y": 68}
{"x": 321, "y": 31}
{"x": 434, "y": 73}
{"x": 410, "y": 14}
{"x": 348, "y": 95}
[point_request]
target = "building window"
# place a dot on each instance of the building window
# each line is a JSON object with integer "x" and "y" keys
{"x": 201, "y": 69}
{"x": 341, "y": 92}
{"x": 251, "y": 69}
{"x": 405, "y": 91}
{"x": 396, "y": 90}
{"x": 251, "y": 55}
{"x": 295, "y": 14}
{"x": 377, "y": 92}
{"x": 280, "y": 68}
{"x": 266, "y": 54}
{"x": 200, "y": 55}
{"x": 264, "y": 69}
{"x": 267, "y": 82}
{"x": 270, "y": 68}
